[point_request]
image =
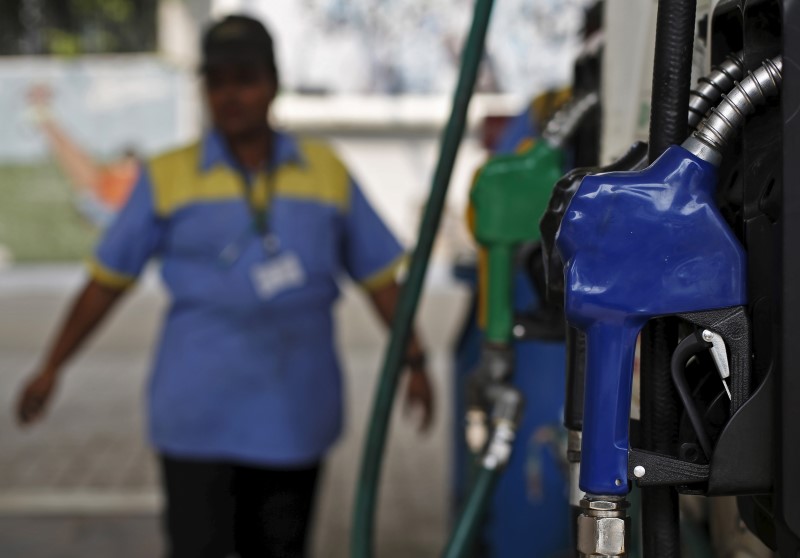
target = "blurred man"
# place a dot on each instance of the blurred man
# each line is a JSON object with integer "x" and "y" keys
{"x": 100, "y": 190}
{"x": 253, "y": 227}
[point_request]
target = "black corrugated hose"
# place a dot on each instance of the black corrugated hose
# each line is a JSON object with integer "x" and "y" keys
{"x": 668, "y": 125}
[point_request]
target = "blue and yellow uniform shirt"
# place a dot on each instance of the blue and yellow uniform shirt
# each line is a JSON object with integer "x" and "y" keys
{"x": 243, "y": 371}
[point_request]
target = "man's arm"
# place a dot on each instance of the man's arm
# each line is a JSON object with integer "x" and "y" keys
{"x": 87, "y": 312}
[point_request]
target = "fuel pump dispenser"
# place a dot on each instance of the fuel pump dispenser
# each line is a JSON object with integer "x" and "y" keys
{"x": 646, "y": 244}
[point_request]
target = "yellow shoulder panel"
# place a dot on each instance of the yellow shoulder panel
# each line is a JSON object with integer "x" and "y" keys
{"x": 322, "y": 177}
{"x": 177, "y": 180}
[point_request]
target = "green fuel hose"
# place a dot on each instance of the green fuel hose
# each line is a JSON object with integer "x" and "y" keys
{"x": 367, "y": 490}
{"x": 463, "y": 536}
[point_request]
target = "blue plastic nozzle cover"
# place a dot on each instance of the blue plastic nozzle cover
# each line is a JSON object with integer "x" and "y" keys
{"x": 638, "y": 245}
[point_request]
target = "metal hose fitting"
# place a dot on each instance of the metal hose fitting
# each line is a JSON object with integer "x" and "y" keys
{"x": 714, "y": 133}
{"x": 494, "y": 370}
{"x": 500, "y": 446}
{"x": 712, "y": 87}
{"x": 506, "y": 414}
{"x": 566, "y": 120}
{"x": 603, "y": 527}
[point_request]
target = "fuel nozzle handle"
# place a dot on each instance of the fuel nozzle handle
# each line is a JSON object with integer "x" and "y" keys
{"x": 511, "y": 191}
{"x": 639, "y": 245}
{"x": 645, "y": 244}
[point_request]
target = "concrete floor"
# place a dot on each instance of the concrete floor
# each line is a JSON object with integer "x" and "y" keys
{"x": 83, "y": 483}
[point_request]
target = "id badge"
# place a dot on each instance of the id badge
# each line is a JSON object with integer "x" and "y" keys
{"x": 278, "y": 274}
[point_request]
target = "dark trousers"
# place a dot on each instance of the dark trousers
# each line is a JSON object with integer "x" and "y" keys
{"x": 216, "y": 510}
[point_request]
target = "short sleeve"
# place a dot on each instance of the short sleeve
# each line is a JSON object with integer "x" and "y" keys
{"x": 130, "y": 241}
{"x": 372, "y": 254}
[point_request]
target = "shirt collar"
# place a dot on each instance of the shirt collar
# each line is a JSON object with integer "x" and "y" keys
{"x": 214, "y": 151}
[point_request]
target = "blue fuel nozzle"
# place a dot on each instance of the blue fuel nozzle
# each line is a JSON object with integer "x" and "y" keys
{"x": 639, "y": 245}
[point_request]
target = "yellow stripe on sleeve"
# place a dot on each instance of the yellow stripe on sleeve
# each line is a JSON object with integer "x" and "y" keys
{"x": 384, "y": 276}
{"x": 108, "y": 277}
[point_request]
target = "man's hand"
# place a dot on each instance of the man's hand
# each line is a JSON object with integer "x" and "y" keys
{"x": 35, "y": 397}
{"x": 419, "y": 395}
{"x": 87, "y": 311}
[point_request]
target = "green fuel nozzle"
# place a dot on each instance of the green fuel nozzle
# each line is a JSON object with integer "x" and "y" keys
{"x": 509, "y": 196}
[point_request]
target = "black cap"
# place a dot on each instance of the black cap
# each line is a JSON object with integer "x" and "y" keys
{"x": 238, "y": 39}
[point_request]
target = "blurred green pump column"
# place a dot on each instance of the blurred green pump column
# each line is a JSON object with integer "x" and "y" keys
{"x": 509, "y": 197}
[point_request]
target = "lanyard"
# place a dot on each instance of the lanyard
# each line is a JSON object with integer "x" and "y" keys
{"x": 258, "y": 195}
